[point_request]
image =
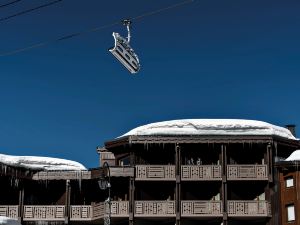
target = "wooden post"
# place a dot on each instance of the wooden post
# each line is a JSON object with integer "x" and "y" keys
{"x": 131, "y": 189}
{"x": 271, "y": 190}
{"x": 131, "y": 200}
{"x": 270, "y": 162}
{"x": 67, "y": 201}
{"x": 224, "y": 183}
{"x": 21, "y": 204}
{"x": 178, "y": 185}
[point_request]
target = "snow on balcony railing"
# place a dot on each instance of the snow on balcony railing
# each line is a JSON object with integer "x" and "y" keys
{"x": 201, "y": 208}
{"x": 44, "y": 213}
{"x": 154, "y": 208}
{"x": 201, "y": 172}
{"x": 155, "y": 172}
{"x": 247, "y": 172}
{"x": 11, "y": 211}
{"x": 252, "y": 208}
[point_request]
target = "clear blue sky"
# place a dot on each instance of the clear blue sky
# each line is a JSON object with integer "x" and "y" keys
{"x": 207, "y": 59}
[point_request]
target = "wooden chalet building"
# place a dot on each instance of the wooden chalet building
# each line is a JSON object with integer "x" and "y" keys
{"x": 183, "y": 172}
{"x": 289, "y": 189}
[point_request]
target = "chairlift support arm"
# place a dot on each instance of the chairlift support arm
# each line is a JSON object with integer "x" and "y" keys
{"x": 127, "y": 23}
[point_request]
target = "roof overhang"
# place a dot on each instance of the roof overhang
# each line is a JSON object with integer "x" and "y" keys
{"x": 195, "y": 139}
{"x": 287, "y": 164}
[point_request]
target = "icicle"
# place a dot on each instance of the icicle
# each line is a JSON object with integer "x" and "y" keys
{"x": 16, "y": 183}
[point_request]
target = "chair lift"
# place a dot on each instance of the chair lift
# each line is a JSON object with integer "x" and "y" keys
{"x": 123, "y": 52}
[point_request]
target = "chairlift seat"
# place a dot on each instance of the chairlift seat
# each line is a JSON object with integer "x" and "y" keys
{"x": 125, "y": 54}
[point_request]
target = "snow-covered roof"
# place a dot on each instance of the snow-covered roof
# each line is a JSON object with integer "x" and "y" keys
{"x": 295, "y": 156}
{"x": 40, "y": 163}
{"x": 211, "y": 127}
{"x": 8, "y": 221}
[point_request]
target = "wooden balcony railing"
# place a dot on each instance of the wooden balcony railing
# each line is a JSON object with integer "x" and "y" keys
{"x": 249, "y": 208}
{"x": 98, "y": 210}
{"x": 44, "y": 213}
{"x": 154, "y": 208}
{"x": 203, "y": 172}
{"x": 121, "y": 171}
{"x": 247, "y": 172}
{"x": 119, "y": 209}
{"x": 11, "y": 211}
{"x": 62, "y": 175}
{"x": 81, "y": 212}
{"x": 201, "y": 208}
{"x": 155, "y": 172}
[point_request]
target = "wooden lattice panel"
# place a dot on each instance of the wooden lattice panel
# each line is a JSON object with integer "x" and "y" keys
{"x": 248, "y": 208}
{"x": 81, "y": 212}
{"x": 247, "y": 172}
{"x": 261, "y": 171}
{"x": 155, "y": 172}
{"x": 119, "y": 208}
{"x": 9, "y": 211}
{"x": 203, "y": 172}
{"x": 98, "y": 210}
{"x": 44, "y": 213}
{"x": 155, "y": 208}
{"x": 201, "y": 208}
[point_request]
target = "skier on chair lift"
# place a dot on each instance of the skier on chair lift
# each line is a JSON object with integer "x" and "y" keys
{"x": 123, "y": 52}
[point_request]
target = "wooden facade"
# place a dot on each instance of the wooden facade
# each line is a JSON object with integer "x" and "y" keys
{"x": 158, "y": 179}
{"x": 289, "y": 186}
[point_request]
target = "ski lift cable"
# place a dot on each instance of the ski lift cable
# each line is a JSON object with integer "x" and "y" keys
{"x": 161, "y": 10}
{"x": 9, "y": 3}
{"x": 29, "y": 10}
{"x": 69, "y": 36}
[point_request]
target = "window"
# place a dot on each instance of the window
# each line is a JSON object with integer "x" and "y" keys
{"x": 290, "y": 212}
{"x": 289, "y": 182}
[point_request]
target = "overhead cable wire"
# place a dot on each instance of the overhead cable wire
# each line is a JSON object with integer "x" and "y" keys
{"x": 161, "y": 10}
{"x": 9, "y": 3}
{"x": 29, "y": 10}
{"x": 69, "y": 36}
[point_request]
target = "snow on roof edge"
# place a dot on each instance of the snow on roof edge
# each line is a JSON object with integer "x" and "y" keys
{"x": 295, "y": 156}
{"x": 211, "y": 127}
{"x": 41, "y": 163}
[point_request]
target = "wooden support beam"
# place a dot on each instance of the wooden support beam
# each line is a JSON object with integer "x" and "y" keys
{"x": 178, "y": 183}
{"x": 21, "y": 204}
{"x": 67, "y": 201}
{"x": 224, "y": 154}
{"x": 131, "y": 188}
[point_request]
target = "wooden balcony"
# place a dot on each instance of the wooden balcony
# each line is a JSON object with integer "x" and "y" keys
{"x": 154, "y": 209}
{"x": 201, "y": 209}
{"x": 203, "y": 172}
{"x": 11, "y": 211}
{"x": 44, "y": 213}
{"x": 249, "y": 208}
{"x": 155, "y": 172}
{"x": 247, "y": 172}
{"x": 57, "y": 212}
